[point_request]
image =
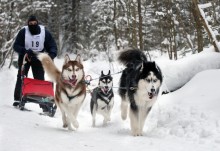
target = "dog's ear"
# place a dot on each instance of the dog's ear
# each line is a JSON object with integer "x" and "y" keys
{"x": 78, "y": 59}
{"x": 67, "y": 59}
{"x": 109, "y": 72}
{"x": 102, "y": 73}
{"x": 140, "y": 67}
{"x": 154, "y": 64}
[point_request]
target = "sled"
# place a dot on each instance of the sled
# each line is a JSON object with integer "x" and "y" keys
{"x": 37, "y": 91}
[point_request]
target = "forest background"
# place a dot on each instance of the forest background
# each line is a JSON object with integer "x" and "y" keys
{"x": 175, "y": 27}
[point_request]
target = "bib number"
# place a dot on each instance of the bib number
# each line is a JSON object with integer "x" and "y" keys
{"x": 35, "y": 44}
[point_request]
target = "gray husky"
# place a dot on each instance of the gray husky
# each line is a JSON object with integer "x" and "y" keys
{"x": 102, "y": 100}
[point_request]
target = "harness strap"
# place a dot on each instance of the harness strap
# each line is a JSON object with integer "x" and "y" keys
{"x": 103, "y": 98}
{"x": 70, "y": 97}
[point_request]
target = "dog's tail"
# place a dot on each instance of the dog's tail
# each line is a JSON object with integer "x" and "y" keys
{"x": 134, "y": 56}
{"x": 49, "y": 67}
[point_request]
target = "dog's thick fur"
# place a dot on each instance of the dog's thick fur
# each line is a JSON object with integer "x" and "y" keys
{"x": 139, "y": 86}
{"x": 102, "y": 99}
{"x": 70, "y": 87}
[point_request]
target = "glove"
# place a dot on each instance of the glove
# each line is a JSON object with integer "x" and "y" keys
{"x": 30, "y": 55}
{"x": 29, "y": 52}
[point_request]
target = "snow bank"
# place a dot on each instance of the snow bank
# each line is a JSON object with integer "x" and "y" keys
{"x": 191, "y": 112}
{"x": 179, "y": 72}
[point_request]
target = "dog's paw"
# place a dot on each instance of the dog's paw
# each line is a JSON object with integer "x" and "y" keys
{"x": 76, "y": 124}
{"x": 104, "y": 123}
{"x": 70, "y": 128}
{"x": 65, "y": 125}
{"x": 137, "y": 134}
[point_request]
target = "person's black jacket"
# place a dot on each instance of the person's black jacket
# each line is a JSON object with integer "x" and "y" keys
{"x": 49, "y": 44}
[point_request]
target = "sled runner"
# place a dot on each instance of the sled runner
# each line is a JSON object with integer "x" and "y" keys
{"x": 37, "y": 91}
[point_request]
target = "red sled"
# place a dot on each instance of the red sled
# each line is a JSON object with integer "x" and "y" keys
{"x": 40, "y": 92}
{"x": 36, "y": 87}
{"x": 36, "y": 91}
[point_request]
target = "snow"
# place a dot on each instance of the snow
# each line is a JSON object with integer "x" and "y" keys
{"x": 184, "y": 120}
{"x": 182, "y": 70}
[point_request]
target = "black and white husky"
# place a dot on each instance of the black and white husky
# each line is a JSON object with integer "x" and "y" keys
{"x": 102, "y": 99}
{"x": 139, "y": 86}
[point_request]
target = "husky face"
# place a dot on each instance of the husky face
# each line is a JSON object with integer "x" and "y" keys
{"x": 72, "y": 71}
{"x": 105, "y": 82}
{"x": 150, "y": 79}
{"x": 150, "y": 84}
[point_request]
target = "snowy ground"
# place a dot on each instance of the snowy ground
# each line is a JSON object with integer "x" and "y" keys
{"x": 185, "y": 120}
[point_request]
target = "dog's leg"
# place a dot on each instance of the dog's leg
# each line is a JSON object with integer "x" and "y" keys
{"x": 71, "y": 116}
{"x": 65, "y": 124}
{"x": 104, "y": 113}
{"x": 134, "y": 122}
{"x": 65, "y": 118}
{"x": 142, "y": 114}
{"x": 124, "y": 109}
{"x": 93, "y": 116}
{"x": 109, "y": 109}
{"x": 143, "y": 118}
{"x": 109, "y": 113}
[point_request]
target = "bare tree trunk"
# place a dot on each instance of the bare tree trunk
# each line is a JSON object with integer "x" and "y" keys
{"x": 206, "y": 26}
{"x": 140, "y": 26}
{"x": 128, "y": 30}
{"x": 198, "y": 26}
{"x": 115, "y": 27}
{"x": 134, "y": 27}
{"x": 213, "y": 12}
{"x": 184, "y": 32}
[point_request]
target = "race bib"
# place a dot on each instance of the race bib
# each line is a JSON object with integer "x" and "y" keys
{"x": 34, "y": 42}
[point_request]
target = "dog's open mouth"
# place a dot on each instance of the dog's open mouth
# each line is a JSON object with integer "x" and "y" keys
{"x": 73, "y": 81}
{"x": 105, "y": 90}
{"x": 151, "y": 95}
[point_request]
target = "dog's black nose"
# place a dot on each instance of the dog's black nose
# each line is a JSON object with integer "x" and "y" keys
{"x": 152, "y": 90}
{"x": 73, "y": 76}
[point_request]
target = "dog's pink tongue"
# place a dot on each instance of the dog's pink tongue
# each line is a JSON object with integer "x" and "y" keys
{"x": 73, "y": 81}
{"x": 104, "y": 90}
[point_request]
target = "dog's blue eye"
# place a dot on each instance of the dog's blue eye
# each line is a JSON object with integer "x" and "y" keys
{"x": 155, "y": 80}
{"x": 69, "y": 69}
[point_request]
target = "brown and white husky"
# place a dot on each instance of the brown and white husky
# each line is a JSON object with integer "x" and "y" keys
{"x": 70, "y": 87}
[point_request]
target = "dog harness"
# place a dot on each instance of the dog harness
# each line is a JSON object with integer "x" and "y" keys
{"x": 109, "y": 96}
{"x": 69, "y": 97}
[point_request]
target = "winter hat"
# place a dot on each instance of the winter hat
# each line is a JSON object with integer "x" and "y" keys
{"x": 34, "y": 29}
{"x": 32, "y": 18}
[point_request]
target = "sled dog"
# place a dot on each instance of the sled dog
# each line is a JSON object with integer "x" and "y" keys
{"x": 139, "y": 86}
{"x": 70, "y": 87}
{"x": 102, "y": 99}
